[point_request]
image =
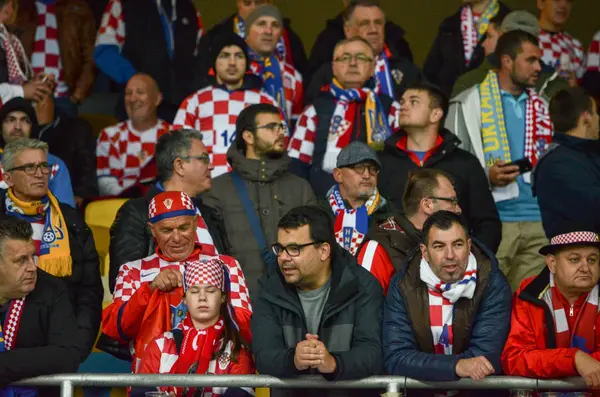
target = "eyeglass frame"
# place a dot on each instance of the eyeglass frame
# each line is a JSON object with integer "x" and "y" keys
{"x": 41, "y": 166}
{"x": 453, "y": 200}
{"x": 367, "y": 167}
{"x": 299, "y": 246}
{"x": 204, "y": 158}
{"x": 366, "y": 59}
{"x": 271, "y": 127}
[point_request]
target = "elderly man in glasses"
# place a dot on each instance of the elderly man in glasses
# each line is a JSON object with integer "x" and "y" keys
{"x": 259, "y": 190}
{"x": 317, "y": 313}
{"x": 350, "y": 109}
{"x": 64, "y": 245}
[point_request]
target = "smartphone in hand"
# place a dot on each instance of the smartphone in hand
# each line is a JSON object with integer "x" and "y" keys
{"x": 524, "y": 165}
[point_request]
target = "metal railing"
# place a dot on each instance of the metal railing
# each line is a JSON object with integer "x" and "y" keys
{"x": 390, "y": 383}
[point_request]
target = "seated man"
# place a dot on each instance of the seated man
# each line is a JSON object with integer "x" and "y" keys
{"x": 427, "y": 191}
{"x": 125, "y": 152}
{"x": 19, "y": 120}
{"x": 555, "y": 326}
{"x": 44, "y": 341}
{"x": 338, "y": 116}
{"x": 300, "y": 325}
{"x": 447, "y": 314}
{"x": 64, "y": 244}
{"x": 148, "y": 295}
{"x": 213, "y": 110}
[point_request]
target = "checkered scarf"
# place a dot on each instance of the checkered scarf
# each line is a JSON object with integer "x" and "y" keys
{"x": 584, "y": 335}
{"x": 538, "y": 127}
{"x": 473, "y": 29}
{"x": 19, "y": 68}
{"x": 442, "y": 297}
{"x": 383, "y": 73}
{"x": 351, "y": 225}
{"x": 8, "y": 334}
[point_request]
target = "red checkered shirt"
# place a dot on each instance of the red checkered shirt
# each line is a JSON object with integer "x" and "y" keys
{"x": 213, "y": 111}
{"x": 112, "y": 26}
{"x": 554, "y": 45}
{"x": 122, "y": 152}
{"x": 45, "y": 56}
{"x": 593, "y": 58}
{"x": 292, "y": 88}
{"x": 302, "y": 143}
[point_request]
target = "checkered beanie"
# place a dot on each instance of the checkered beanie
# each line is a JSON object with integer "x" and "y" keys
{"x": 170, "y": 205}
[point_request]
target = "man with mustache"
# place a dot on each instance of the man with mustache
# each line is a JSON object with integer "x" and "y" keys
{"x": 125, "y": 151}
{"x": 555, "y": 326}
{"x": 213, "y": 110}
{"x": 500, "y": 121}
{"x": 447, "y": 313}
{"x": 19, "y": 121}
{"x": 259, "y": 190}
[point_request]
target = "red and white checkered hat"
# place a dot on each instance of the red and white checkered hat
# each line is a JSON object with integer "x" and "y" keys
{"x": 571, "y": 238}
{"x": 205, "y": 271}
{"x": 169, "y": 205}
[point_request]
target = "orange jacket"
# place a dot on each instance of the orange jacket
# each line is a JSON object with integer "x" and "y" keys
{"x": 530, "y": 349}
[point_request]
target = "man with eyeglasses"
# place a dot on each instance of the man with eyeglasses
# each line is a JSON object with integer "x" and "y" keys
{"x": 259, "y": 182}
{"x": 394, "y": 69}
{"x": 350, "y": 110}
{"x": 19, "y": 120}
{"x": 64, "y": 245}
{"x": 424, "y": 143}
{"x": 213, "y": 110}
{"x": 318, "y": 312}
{"x": 125, "y": 151}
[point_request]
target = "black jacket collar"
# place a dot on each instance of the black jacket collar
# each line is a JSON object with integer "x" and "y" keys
{"x": 580, "y": 144}
{"x": 450, "y": 144}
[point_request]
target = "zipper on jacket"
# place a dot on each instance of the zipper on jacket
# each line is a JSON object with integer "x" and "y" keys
{"x": 571, "y": 311}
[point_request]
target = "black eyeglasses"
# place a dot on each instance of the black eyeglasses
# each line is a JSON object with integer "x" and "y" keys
{"x": 292, "y": 249}
{"x": 359, "y": 58}
{"x": 204, "y": 157}
{"x": 274, "y": 127}
{"x": 360, "y": 168}
{"x": 451, "y": 200}
{"x": 31, "y": 168}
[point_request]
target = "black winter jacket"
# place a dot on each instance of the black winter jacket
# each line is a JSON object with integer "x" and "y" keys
{"x": 131, "y": 238}
{"x": 446, "y": 60}
{"x": 471, "y": 183}
{"x": 47, "y": 338}
{"x": 566, "y": 182}
{"x": 350, "y": 327}
{"x": 84, "y": 284}
{"x": 322, "y": 51}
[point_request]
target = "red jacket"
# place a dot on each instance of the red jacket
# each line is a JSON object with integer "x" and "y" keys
{"x": 530, "y": 349}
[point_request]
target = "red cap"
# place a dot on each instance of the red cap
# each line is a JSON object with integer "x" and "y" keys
{"x": 169, "y": 205}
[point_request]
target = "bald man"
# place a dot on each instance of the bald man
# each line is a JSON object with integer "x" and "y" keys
{"x": 125, "y": 152}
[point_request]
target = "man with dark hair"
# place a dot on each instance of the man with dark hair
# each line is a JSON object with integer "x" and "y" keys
{"x": 38, "y": 329}
{"x": 458, "y": 45}
{"x": 447, "y": 314}
{"x": 259, "y": 190}
{"x": 424, "y": 143}
{"x": 350, "y": 110}
{"x": 335, "y": 31}
{"x": 567, "y": 178}
{"x": 318, "y": 312}
{"x": 393, "y": 71}
{"x": 214, "y": 109}
{"x": 510, "y": 123}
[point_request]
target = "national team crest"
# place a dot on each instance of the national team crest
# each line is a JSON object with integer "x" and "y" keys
{"x": 397, "y": 75}
{"x": 541, "y": 147}
{"x": 339, "y": 127}
{"x": 168, "y": 203}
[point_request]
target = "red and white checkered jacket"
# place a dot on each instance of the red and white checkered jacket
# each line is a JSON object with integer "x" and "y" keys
{"x": 593, "y": 58}
{"x": 292, "y": 88}
{"x": 122, "y": 319}
{"x": 213, "y": 111}
{"x": 554, "y": 45}
{"x": 112, "y": 26}
{"x": 122, "y": 152}
{"x": 302, "y": 143}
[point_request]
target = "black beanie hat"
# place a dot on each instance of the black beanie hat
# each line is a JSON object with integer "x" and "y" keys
{"x": 226, "y": 40}
{"x": 22, "y": 105}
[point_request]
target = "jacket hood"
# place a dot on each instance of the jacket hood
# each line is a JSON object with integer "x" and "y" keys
{"x": 266, "y": 170}
{"x": 451, "y": 141}
{"x": 22, "y": 105}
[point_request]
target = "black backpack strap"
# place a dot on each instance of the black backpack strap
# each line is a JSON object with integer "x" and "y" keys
{"x": 178, "y": 338}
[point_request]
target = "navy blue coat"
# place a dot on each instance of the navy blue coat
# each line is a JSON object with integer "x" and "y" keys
{"x": 567, "y": 184}
{"x": 484, "y": 322}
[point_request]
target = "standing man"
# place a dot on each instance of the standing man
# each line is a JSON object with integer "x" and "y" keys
{"x": 349, "y": 111}
{"x": 125, "y": 152}
{"x": 213, "y": 110}
{"x": 281, "y": 80}
{"x": 318, "y": 312}
{"x": 424, "y": 143}
{"x": 458, "y": 45}
{"x": 591, "y": 80}
{"x": 512, "y": 124}
{"x": 258, "y": 191}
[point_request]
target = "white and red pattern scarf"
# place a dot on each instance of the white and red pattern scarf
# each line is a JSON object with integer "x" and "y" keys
{"x": 583, "y": 336}
{"x": 473, "y": 29}
{"x": 351, "y": 225}
{"x": 19, "y": 68}
{"x": 442, "y": 297}
{"x": 8, "y": 333}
